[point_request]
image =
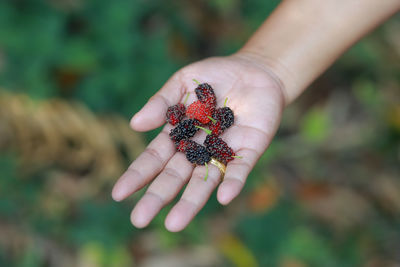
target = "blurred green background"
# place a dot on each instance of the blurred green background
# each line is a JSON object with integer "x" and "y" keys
{"x": 72, "y": 72}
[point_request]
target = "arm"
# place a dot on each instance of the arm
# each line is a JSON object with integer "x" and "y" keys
{"x": 302, "y": 38}
{"x": 295, "y": 44}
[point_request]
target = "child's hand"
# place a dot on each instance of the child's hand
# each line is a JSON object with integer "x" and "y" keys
{"x": 298, "y": 41}
{"x": 257, "y": 100}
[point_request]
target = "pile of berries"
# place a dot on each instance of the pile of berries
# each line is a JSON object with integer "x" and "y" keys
{"x": 201, "y": 114}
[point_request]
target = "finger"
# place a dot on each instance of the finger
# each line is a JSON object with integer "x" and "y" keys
{"x": 152, "y": 115}
{"x": 249, "y": 143}
{"x": 145, "y": 167}
{"x": 164, "y": 188}
{"x": 236, "y": 174}
{"x": 193, "y": 199}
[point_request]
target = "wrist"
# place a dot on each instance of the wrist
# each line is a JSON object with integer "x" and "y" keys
{"x": 273, "y": 68}
{"x": 301, "y": 39}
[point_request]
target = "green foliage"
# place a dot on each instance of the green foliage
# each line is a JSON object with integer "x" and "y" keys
{"x": 315, "y": 125}
{"x": 366, "y": 92}
{"x": 113, "y": 55}
{"x": 304, "y": 245}
{"x": 96, "y": 53}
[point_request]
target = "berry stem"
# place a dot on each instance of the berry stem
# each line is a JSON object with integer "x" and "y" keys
{"x": 212, "y": 119}
{"x": 205, "y": 178}
{"x": 204, "y": 129}
{"x": 237, "y": 157}
{"x": 226, "y": 100}
{"x": 196, "y": 81}
{"x": 186, "y": 98}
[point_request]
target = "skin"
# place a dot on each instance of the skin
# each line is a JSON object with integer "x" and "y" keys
{"x": 294, "y": 45}
{"x": 256, "y": 99}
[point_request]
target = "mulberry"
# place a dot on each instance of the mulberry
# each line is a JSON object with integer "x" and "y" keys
{"x": 184, "y": 130}
{"x": 199, "y": 111}
{"x": 198, "y": 154}
{"x": 223, "y": 119}
{"x": 218, "y": 149}
{"x": 175, "y": 113}
{"x": 206, "y": 95}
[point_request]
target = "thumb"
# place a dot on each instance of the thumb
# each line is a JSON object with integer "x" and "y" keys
{"x": 152, "y": 115}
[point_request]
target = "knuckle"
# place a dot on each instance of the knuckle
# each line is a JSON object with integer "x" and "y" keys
{"x": 173, "y": 174}
{"x": 154, "y": 154}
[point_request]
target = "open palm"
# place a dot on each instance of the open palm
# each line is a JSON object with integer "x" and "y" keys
{"x": 257, "y": 101}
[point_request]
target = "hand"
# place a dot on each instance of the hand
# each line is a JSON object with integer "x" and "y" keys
{"x": 256, "y": 99}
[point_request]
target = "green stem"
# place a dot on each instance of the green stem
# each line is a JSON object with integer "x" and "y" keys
{"x": 186, "y": 98}
{"x": 204, "y": 129}
{"x": 237, "y": 157}
{"x": 205, "y": 178}
{"x": 226, "y": 100}
{"x": 196, "y": 81}
{"x": 212, "y": 119}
